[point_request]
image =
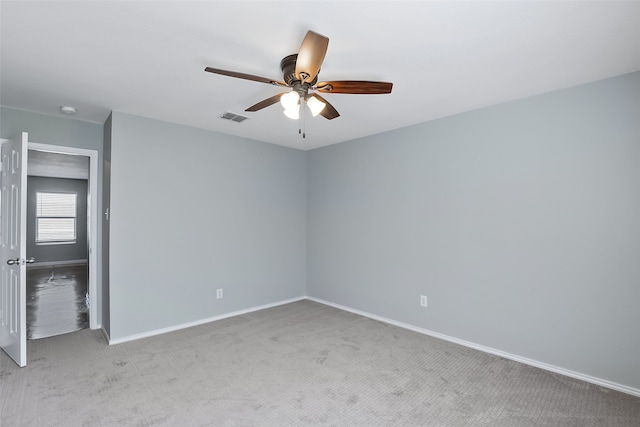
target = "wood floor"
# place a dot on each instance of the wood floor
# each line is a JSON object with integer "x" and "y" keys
{"x": 56, "y": 300}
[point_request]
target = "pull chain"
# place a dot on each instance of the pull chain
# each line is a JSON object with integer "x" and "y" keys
{"x": 303, "y": 114}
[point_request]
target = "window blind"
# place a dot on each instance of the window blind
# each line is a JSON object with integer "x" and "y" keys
{"x": 55, "y": 217}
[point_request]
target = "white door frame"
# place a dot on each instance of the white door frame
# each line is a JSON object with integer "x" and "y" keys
{"x": 92, "y": 220}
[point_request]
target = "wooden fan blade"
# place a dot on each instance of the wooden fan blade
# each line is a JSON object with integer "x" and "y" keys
{"x": 310, "y": 56}
{"x": 265, "y": 103}
{"x": 355, "y": 87}
{"x": 328, "y": 112}
{"x": 245, "y": 76}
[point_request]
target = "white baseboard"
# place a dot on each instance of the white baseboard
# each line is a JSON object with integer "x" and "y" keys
{"x": 577, "y": 375}
{"x": 199, "y": 322}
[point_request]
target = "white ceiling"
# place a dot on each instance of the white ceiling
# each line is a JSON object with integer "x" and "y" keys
{"x": 148, "y": 58}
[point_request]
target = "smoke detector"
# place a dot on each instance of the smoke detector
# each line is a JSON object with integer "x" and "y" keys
{"x": 68, "y": 110}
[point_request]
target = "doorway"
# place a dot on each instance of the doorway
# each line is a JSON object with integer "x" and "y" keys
{"x": 13, "y": 243}
{"x": 73, "y": 164}
{"x": 56, "y": 281}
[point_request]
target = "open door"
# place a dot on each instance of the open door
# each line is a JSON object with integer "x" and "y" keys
{"x": 13, "y": 319}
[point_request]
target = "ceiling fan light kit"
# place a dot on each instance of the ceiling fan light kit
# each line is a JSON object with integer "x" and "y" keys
{"x": 300, "y": 73}
{"x": 315, "y": 105}
{"x": 290, "y": 101}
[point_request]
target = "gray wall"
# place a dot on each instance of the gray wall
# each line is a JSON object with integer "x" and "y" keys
{"x": 51, "y": 129}
{"x": 62, "y": 131}
{"x": 60, "y": 252}
{"x": 520, "y": 222}
{"x": 193, "y": 211}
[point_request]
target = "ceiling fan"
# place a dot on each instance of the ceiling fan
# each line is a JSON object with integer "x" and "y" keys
{"x": 300, "y": 73}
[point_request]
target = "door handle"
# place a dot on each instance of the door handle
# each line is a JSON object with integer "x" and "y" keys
{"x": 16, "y": 261}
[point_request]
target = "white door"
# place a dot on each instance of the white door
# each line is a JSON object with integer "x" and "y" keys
{"x": 13, "y": 318}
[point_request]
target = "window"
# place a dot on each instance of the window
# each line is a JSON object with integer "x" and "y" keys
{"x": 55, "y": 217}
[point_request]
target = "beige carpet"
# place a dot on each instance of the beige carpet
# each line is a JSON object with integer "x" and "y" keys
{"x": 299, "y": 364}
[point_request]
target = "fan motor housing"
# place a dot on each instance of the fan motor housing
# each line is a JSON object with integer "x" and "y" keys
{"x": 288, "y": 67}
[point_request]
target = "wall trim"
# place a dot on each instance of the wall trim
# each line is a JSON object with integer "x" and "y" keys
{"x": 547, "y": 367}
{"x": 199, "y": 322}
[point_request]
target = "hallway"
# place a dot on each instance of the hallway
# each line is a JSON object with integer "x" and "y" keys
{"x": 56, "y": 301}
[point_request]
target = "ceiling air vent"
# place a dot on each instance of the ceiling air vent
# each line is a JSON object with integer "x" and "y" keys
{"x": 234, "y": 117}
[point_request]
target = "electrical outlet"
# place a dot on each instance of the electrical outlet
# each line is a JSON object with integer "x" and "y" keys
{"x": 423, "y": 300}
{"x": 219, "y": 293}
